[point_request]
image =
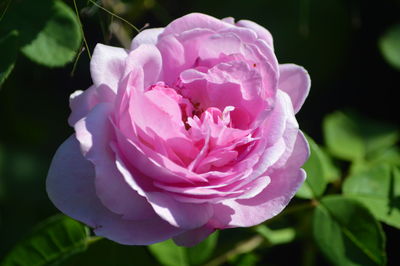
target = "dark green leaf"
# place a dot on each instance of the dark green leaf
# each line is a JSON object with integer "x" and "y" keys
{"x": 349, "y": 136}
{"x": 8, "y": 54}
{"x": 169, "y": 254}
{"x": 331, "y": 171}
{"x": 59, "y": 41}
{"x": 49, "y": 32}
{"x": 347, "y": 233}
{"x": 389, "y": 45}
{"x": 50, "y": 243}
{"x": 378, "y": 189}
{"x": 316, "y": 182}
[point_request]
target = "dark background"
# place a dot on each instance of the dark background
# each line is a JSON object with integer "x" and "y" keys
{"x": 335, "y": 40}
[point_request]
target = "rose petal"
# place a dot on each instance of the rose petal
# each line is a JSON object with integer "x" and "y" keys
{"x": 81, "y": 102}
{"x": 193, "y": 237}
{"x": 261, "y": 32}
{"x": 192, "y": 21}
{"x": 147, "y": 57}
{"x": 148, "y": 36}
{"x": 274, "y": 198}
{"x": 70, "y": 186}
{"x": 94, "y": 134}
{"x": 295, "y": 81}
{"x": 179, "y": 214}
{"x": 107, "y": 65}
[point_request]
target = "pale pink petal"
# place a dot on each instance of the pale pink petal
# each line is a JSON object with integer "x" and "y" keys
{"x": 94, "y": 134}
{"x": 179, "y": 214}
{"x": 107, "y": 65}
{"x": 147, "y": 36}
{"x": 192, "y": 21}
{"x": 81, "y": 102}
{"x": 229, "y": 20}
{"x": 148, "y": 58}
{"x": 274, "y": 198}
{"x": 261, "y": 32}
{"x": 70, "y": 186}
{"x": 194, "y": 236}
{"x": 295, "y": 81}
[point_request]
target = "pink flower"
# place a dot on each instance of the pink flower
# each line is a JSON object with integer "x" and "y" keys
{"x": 191, "y": 130}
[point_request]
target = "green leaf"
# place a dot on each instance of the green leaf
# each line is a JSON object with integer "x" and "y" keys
{"x": 316, "y": 182}
{"x": 200, "y": 253}
{"x": 378, "y": 188}
{"x": 51, "y": 242}
{"x": 349, "y": 136}
{"x": 347, "y": 233}
{"x": 342, "y": 137}
{"x": 8, "y": 54}
{"x": 59, "y": 41}
{"x": 49, "y": 31}
{"x": 389, "y": 45}
{"x": 387, "y": 156}
{"x": 169, "y": 254}
{"x": 277, "y": 236}
{"x": 331, "y": 171}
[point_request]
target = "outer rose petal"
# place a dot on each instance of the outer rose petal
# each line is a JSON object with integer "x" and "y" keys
{"x": 70, "y": 186}
{"x": 295, "y": 81}
{"x": 273, "y": 199}
{"x": 81, "y": 102}
{"x": 94, "y": 133}
{"x": 193, "y": 237}
{"x": 107, "y": 65}
{"x": 193, "y": 21}
{"x": 147, "y": 57}
{"x": 148, "y": 36}
{"x": 262, "y": 33}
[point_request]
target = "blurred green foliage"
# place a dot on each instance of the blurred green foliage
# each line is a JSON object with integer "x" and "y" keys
{"x": 389, "y": 44}
{"x": 351, "y": 50}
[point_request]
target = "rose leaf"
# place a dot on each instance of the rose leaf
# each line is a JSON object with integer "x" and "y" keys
{"x": 49, "y": 243}
{"x": 57, "y": 43}
{"x": 347, "y": 233}
{"x": 389, "y": 45}
{"x": 378, "y": 189}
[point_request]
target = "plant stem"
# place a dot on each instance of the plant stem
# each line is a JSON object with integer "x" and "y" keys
{"x": 243, "y": 247}
{"x": 81, "y": 27}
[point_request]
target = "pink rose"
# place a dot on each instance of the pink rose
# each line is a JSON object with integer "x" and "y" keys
{"x": 191, "y": 130}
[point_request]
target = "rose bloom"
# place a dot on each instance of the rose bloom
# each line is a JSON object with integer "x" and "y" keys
{"x": 191, "y": 130}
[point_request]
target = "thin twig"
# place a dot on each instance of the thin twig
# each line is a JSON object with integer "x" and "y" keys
{"x": 5, "y": 10}
{"x": 76, "y": 60}
{"x": 114, "y": 15}
{"x": 81, "y": 27}
{"x": 241, "y": 248}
